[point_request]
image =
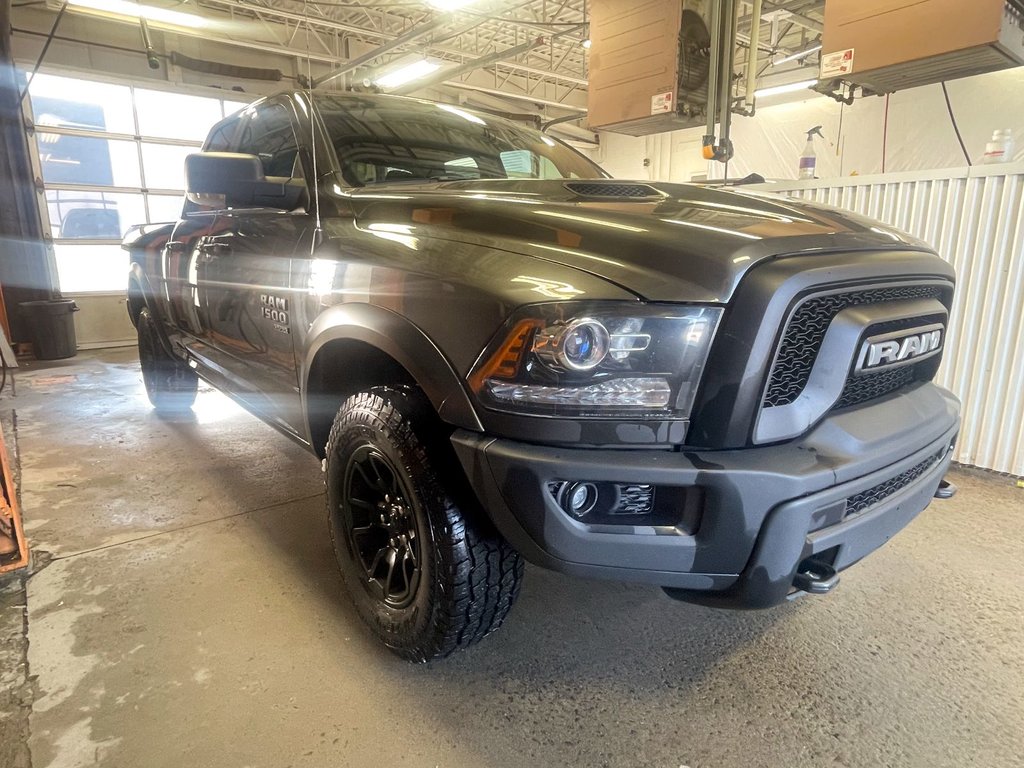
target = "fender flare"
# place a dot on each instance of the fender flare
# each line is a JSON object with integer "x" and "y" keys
{"x": 138, "y": 275}
{"x": 405, "y": 343}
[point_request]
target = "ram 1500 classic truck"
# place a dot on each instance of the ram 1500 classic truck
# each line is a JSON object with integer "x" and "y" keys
{"x": 499, "y": 352}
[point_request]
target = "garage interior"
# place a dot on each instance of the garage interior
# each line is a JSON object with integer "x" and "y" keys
{"x": 170, "y": 595}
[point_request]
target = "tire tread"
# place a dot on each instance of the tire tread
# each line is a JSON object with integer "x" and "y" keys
{"x": 479, "y": 573}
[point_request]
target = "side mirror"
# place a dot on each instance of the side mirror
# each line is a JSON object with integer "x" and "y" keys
{"x": 233, "y": 180}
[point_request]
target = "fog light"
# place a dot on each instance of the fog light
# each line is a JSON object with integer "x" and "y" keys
{"x": 578, "y": 498}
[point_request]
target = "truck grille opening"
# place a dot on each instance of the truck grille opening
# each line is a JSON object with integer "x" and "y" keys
{"x": 805, "y": 332}
{"x": 604, "y": 189}
{"x": 866, "y": 499}
{"x": 860, "y": 389}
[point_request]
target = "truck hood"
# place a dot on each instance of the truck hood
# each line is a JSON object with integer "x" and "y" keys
{"x": 661, "y": 242}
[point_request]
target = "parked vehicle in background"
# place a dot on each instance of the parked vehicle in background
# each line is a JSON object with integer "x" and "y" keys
{"x": 501, "y": 353}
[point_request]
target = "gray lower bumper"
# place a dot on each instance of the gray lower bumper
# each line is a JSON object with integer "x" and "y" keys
{"x": 764, "y": 509}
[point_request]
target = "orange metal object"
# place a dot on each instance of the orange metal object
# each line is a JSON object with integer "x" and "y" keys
{"x": 3, "y": 314}
{"x": 13, "y": 547}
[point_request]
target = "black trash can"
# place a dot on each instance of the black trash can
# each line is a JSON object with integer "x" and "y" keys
{"x": 51, "y": 325}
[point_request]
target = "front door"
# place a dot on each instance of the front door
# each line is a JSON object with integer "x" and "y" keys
{"x": 243, "y": 273}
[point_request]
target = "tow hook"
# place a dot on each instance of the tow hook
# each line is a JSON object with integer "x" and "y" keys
{"x": 816, "y": 577}
{"x": 946, "y": 490}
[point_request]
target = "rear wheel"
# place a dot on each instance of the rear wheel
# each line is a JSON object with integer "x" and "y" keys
{"x": 170, "y": 384}
{"x": 426, "y": 571}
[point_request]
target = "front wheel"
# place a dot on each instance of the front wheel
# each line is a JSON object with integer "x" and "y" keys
{"x": 427, "y": 575}
{"x": 170, "y": 384}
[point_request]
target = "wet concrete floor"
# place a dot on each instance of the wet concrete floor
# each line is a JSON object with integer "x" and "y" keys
{"x": 192, "y": 615}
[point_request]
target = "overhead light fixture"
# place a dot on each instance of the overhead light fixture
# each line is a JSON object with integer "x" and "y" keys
{"x": 586, "y": 43}
{"x": 777, "y": 90}
{"x": 449, "y": 5}
{"x": 406, "y": 73}
{"x": 797, "y": 55}
{"x": 138, "y": 11}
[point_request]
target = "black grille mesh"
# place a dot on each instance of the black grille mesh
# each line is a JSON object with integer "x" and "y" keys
{"x": 806, "y": 330}
{"x": 634, "y": 500}
{"x": 859, "y": 502}
{"x": 601, "y": 189}
{"x": 860, "y": 389}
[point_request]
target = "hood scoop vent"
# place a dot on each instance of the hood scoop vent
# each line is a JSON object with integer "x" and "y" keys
{"x": 616, "y": 190}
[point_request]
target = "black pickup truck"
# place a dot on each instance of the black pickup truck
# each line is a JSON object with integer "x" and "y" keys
{"x": 499, "y": 352}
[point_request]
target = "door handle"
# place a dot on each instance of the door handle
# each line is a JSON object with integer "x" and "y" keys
{"x": 214, "y": 249}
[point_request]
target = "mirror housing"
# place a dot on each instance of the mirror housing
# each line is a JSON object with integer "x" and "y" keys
{"x": 223, "y": 180}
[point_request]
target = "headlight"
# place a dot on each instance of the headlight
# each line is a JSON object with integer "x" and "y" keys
{"x": 597, "y": 359}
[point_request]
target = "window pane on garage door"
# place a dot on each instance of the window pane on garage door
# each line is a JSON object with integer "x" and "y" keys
{"x": 175, "y": 115}
{"x": 230, "y": 107}
{"x": 85, "y": 268}
{"x": 163, "y": 208}
{"x": 164, "y": 165}
{"x": 92, "y": 215}
{"x": 72, "y": 103}
{"x": 68, "y": 159}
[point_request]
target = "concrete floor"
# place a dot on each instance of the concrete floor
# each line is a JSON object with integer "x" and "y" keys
{"x": 192, "y": 616}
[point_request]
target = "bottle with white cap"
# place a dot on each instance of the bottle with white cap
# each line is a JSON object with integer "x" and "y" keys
{"x": 1000, "y": 148}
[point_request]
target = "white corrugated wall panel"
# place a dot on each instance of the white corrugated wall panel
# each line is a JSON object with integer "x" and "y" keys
{"x": 974, "y": 218}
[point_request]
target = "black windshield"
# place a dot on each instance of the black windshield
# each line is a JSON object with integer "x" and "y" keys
{"x": 387, "y": 139}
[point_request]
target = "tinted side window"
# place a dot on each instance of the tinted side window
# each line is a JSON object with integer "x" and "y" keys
{"x": 268, "y": 134}
{"x": 220, "y": 139}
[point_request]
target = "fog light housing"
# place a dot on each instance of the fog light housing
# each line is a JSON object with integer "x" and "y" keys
{"x": 577, "y": 498}
{"x": 629, "y": 507}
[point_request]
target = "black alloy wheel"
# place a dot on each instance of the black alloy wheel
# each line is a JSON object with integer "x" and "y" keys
{"x": 382, "y": 527}
{"x": 423, "y": 565}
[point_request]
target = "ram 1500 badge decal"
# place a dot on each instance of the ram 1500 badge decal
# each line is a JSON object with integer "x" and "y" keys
{"x": 275, "y": 309}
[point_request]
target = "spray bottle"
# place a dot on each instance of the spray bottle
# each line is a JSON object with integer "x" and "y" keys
{"x": 808, "y": 160}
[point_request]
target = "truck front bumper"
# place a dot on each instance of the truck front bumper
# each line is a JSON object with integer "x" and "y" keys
{"x": 835, "y": 495}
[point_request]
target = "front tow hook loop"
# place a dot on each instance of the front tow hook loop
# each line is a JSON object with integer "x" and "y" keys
{"x": 815, "y": 577}
{"x": 946, "y": 490}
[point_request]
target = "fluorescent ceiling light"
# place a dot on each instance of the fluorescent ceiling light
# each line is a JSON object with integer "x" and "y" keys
{"x": 407, "y": 73}
{"x": 449, "y": 5}
{"x": 138, "y": 11}
{"x": 797, "y": 55}
{"x": 788, "y": 88}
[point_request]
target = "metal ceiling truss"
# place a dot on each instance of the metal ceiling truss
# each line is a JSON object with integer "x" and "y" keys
{"x": 786, "y": 28}
{"x": 339, "y": 34}
{"x": 521, "y": 50}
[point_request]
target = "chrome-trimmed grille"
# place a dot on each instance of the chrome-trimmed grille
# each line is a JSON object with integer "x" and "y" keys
{"x": 805, "y": 333}
{"x": 864, "y": 500}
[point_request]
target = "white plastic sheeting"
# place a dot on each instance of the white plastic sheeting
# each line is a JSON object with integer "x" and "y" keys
{"x": 974, "y": 218}
{"x": 907, "y": 131}
{"x": 914, "y": 133}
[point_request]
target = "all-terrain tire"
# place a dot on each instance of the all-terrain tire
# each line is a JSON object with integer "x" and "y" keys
{"x": 453, "y": 578}
{"x": 170, "y": 384}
